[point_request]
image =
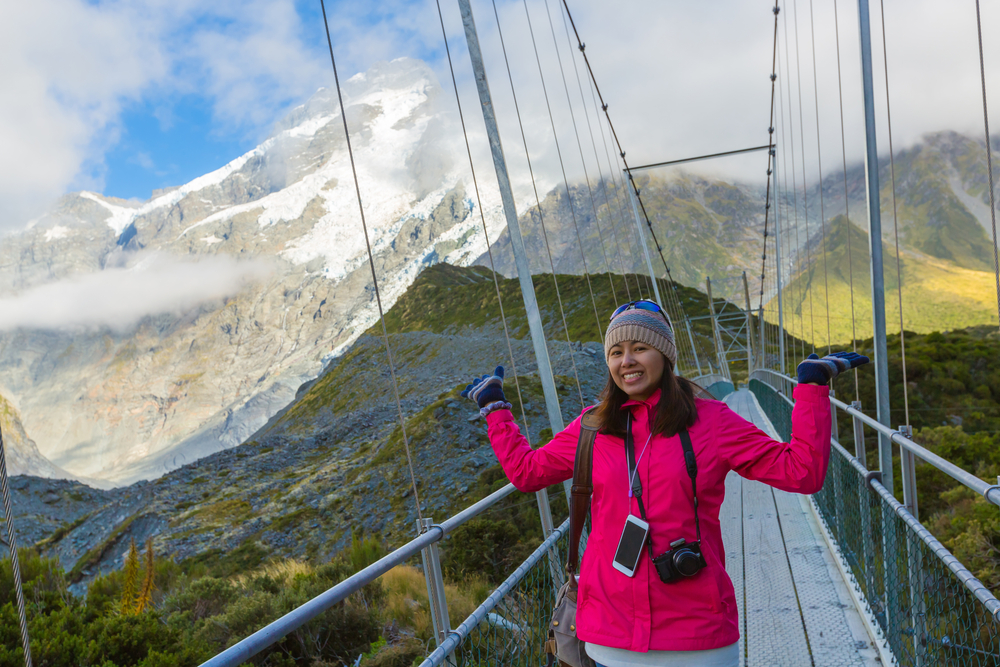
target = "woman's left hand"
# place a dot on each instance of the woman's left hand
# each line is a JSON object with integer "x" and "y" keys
{"x": 814, "y": 370}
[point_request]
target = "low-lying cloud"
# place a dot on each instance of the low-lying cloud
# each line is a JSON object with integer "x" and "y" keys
{"x": 121, "y": 296}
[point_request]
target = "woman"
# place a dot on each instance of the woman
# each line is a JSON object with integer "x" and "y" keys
{"x": 639, "y": 619}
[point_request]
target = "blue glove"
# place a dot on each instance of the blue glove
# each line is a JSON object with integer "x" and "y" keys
{"x": 821, "y": 371}
{"x": 487, "y": 389}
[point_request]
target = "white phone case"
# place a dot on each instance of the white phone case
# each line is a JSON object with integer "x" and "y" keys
{"x": 637, "y": 524}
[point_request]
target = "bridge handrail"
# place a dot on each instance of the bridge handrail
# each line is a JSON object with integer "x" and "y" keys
{"x": 459, "y": 634}
{"x": 273, "y": 632}
{"x": 963, "y": 574}
{"x": 991, "y": 492}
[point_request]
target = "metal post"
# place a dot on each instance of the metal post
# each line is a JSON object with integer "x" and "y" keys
{"x": 720, "y": 353}
{"x": 697, "y": 361}
{"x": 642, "y": 242}
{"x": 15, "y": 565}
{"x": 908, "y": 470}
{"x": 777, "y": 266}
{"x": 834, "y": 429}
{"x": 875, "y": 250}
{"x": 859, "y": 435}
{"x": 516, "y": 242}
{"x": 762, "y": 338}
{"x": 750, "y": 337}
{"x": 435, "y": 585}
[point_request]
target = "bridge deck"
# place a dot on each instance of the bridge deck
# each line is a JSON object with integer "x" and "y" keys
{"x": 794, "y": 604}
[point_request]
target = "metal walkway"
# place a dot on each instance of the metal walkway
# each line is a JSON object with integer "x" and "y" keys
{"x": 795, "y": 608}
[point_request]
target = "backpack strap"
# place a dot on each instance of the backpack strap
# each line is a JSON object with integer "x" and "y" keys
{"x": 583, "y": 488}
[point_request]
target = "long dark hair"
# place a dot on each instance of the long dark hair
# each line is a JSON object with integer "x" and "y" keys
{"x": 675, "y": 412}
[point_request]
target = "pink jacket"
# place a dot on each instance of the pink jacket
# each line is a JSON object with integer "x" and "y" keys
{"x": 642, "y": 613}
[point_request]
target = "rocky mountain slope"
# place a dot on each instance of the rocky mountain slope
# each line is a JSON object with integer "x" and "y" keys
{"x": 274, "y": 239}
{"x": 334, "y": 460}
{"x": 136, "y": 337}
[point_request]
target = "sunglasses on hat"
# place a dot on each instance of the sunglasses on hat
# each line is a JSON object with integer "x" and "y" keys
{"x": 641, "y": 304}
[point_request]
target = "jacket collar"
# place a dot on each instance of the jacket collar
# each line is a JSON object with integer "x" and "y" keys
{"x": 650, "y": 402}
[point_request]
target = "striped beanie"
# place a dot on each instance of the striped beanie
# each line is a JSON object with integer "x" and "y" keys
{"x": 642, "y": 326}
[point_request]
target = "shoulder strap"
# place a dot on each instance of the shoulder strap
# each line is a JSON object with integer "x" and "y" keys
{"x": 583, "y": 487}
{"x": 692, "y": 469}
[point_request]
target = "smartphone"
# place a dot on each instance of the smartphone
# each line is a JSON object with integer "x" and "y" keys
{"x": 630, "y": 545}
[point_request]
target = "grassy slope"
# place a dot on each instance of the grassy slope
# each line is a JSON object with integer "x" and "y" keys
{"x": 937, "y": 295}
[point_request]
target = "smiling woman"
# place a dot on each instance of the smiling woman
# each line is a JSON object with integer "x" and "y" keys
{"x": 662, "y": 453}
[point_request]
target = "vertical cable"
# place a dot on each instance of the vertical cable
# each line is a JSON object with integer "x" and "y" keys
{"x": 583, "y": 161}
{"x": 621, "y": 152}
{"x": 761, "y": 327}
{"x": 538, "y": 202}
{"x": 486, "y": 234}
{"x": 805, "y": 199}
{"x": 895, "y": 222}
{"x": 14, "y": 563}
{"x": 989, "y": 156}
{"x": 371, "y": 264}
{"x": 569, "y": 200}
{"x": 593, "y": 143}
{"x": 784, "y": 189}
{"x": 847, "y": 209}
{"x": 819, "y": 162}
{"x": 795, "y": 193}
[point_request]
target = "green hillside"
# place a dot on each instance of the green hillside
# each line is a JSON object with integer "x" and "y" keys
{"x": 937, "y": 295}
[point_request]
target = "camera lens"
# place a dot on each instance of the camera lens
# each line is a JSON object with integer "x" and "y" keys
{"x": 687, "y": 562}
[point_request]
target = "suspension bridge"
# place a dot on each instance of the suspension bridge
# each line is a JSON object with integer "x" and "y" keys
{"x": 847, "y": 576}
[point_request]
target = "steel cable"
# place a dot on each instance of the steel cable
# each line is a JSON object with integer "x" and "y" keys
{"x": 8, "y": 515}
{"x": 989, "y": 156}
{"x": 805, "y": 196}
{"x": 572, "y": 207}
{"x": 761, "y": 326}
{"x": 895, "y": 222}
{"x": 621, "y": 152}
{"x": 800, "y": 339}
{"x": 784, "y": 197}
{"x": 593, "y": 143}
{"x": 482, "y": 217}
{"x": 583, "y": 161}
{"x": 538, "y": 202}
{"x": 819, "y": 162}
{"x": 847, "y": 209}
{"x": 371, "y": 264}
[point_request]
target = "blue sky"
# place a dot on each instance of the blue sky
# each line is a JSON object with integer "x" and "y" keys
{"x": 123, "y": 97}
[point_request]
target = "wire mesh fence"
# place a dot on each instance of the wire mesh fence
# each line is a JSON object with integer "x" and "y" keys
{"x": 513, "y": 631}
{"x": 927, "y": 612}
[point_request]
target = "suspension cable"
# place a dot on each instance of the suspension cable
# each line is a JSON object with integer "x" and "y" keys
{"x": 819, "y": 160}
{"x": 593, "y": 143}
{"x": 847, "y": 209}
{"x": 572, "y": 207}
{"x": 795, "y": 195}
{"x": 989, "y": 156}
{"x": 784, "y": 175}
{"x": 767, "y": 196}
{"x": 770, "y": 155}
{"x": 895, "y": 222}
{"x": 8, "y": 515}
{"x": 486, "y": 234}
{"x": 538, "y": 202}
{"x": 621, "y": 152}
{"x": 371, "y": 264}
{"x": 583, "y": 161}
{"x": 805, "y": 196}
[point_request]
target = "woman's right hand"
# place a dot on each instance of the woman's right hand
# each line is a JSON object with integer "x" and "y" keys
{"x": 486, "y": 389}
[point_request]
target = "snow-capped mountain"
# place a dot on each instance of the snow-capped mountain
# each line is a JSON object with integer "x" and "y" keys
{"x": 137, "y": 337}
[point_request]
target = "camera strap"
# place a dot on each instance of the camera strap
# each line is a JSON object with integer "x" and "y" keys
{"x": 690, "y": 462}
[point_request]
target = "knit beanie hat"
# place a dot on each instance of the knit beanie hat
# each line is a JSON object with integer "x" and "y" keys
{"x": 642, "y": 326}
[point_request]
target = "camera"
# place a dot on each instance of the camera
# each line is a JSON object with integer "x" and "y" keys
{"x": 683, "y": 560}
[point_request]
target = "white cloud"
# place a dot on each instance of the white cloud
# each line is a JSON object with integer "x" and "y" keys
{"x": 120, "y": 296}
{"x": 682, "y": 79}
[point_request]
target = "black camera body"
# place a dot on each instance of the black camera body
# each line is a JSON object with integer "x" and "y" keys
{"x": 683, "y": 560}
